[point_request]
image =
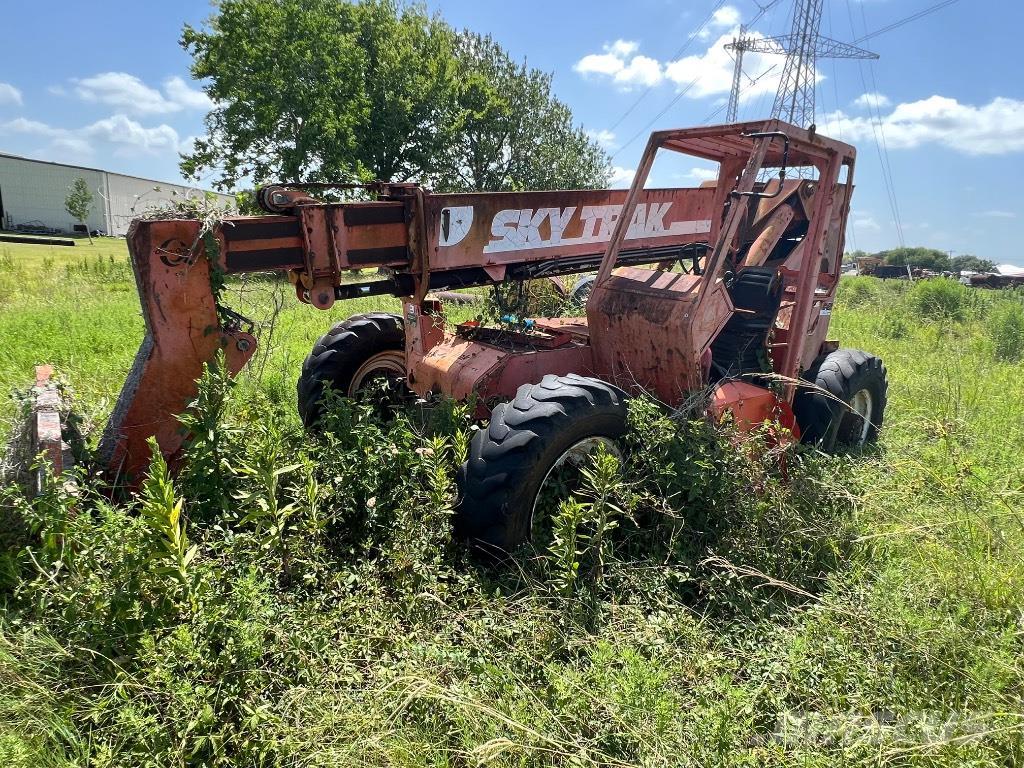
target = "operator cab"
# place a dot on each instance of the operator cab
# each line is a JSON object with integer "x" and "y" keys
{"x": 728, "y": 316}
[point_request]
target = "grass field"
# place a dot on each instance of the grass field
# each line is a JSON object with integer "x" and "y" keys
{"x": 78, "y": 309}
{"x": 864, "y": 610}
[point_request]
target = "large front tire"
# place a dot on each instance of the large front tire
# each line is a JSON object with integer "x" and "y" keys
{"x": 563, "y": 418}
{"x": 350, "y": 357}
{"x": 846, "y": 407}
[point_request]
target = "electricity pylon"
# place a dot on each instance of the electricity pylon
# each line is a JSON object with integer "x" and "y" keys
{"x": 802, "y": 47}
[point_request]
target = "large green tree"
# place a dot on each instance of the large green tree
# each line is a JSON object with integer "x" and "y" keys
{"x": 286, "y": 78}
{"x": 513, "y": 133}
{"x": 410, "y": 86}
{"x": 328, "y": 90}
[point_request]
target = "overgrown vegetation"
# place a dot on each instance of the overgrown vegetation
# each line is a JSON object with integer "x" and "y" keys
{"x": 295, "y": 599}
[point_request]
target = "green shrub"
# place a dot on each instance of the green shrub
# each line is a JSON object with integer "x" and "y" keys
{"x": 941, "y": 299}
{"x": 1005, "y": 327}
{"x": 893, "y": 324}
{"x": 857, "y": 291}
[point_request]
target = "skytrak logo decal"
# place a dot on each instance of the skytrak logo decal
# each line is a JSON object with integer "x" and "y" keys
{"x": 522, "y": 229}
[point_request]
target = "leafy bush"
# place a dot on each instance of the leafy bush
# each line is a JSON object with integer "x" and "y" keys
{"x": 893, "y": 324}
{"x": 859, "y": 290}
{"x": 1005, "y": 327}
{"x": 941, "y": 299}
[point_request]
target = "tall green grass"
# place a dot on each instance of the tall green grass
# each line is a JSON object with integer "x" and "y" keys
{"x": 713, "y": 605}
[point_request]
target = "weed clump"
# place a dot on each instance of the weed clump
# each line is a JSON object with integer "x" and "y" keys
{"x": 1005, "y": 326}
{"x": 858, "y": 291}
{"x": 941, "y": 299}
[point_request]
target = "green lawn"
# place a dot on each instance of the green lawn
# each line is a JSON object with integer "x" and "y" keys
{"x": 77, "y": 308}
{"x": 865, "y": 610}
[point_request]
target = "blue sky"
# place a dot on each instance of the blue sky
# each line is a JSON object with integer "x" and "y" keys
{"x": 106, "y": 84}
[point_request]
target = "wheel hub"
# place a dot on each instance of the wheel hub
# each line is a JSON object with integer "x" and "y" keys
{"x": 857, "y": 423}
{"x": 388, "y": 365}
{"x": 566, "y": 468}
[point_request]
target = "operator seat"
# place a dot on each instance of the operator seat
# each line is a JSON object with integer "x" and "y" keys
{"x": 742, "y": 346}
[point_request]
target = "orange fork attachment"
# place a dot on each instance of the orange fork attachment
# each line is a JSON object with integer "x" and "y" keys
{"x": 183, "y": 331}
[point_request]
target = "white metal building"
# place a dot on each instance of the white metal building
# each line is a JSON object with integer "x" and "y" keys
{"x": 33, "y": 192}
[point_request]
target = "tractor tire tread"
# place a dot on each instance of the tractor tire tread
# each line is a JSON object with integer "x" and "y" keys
{"x": 338, "y": 354}
{"x": 841, "y": 374}
{"x": 502, "y": 465}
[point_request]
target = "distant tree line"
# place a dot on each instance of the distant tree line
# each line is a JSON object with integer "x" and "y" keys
{"x": 334, "y": 91}
{"x": 927, "y": 258}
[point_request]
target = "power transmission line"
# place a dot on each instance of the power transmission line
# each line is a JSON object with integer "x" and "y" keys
{"x": 802, "y": 47}
{"x": 690, "y": 85}
{"x": 682, "y": 49}
{"x": 882, "y": 149}
{"x": 753, "y": 81}
{"x": 739, "y": 46}
{"x": 907, "y": 20}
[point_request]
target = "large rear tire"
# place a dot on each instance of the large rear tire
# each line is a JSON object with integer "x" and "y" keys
{"x": 561, "y": 419}
{"x": 850, "y": 410}
{"x": 349, "y": 358}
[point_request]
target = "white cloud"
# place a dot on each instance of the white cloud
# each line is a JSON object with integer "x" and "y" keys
{"x": 603, "y": 137}
{"x": 126, "y": 134}
{"x": 710, "y": 73}
{"x": 9, "y": 94}
{"x": 866, "y": 223}
{"x": 124, "y": 91}
{"x": 701, "y": 75}
{"x": 119, "y": 133}
{"x": 641, "y": 70}
{"x": 996, "y": 215}
{"x": 32, "y": 127}
{"x": 128, "y": 93}
{"x": 621, "y": 177}
{"x": 607, "y": 63}
{"x": 622, "y": 48}
{"x": 618, "y": 63}
{"x": 991, "y": 129}
{"x": 179, "y": 92}
{"x": 876, "y": 100}
{"x": 71, "y": 147}
{"x": 725, "y": 17}
{"x": 702, "y": 174}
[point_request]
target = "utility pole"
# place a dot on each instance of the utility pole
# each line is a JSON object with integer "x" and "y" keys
{"x": 802, "y": 47}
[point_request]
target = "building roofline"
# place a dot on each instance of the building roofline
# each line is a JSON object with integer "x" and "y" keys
{"x": 12, "y": 156}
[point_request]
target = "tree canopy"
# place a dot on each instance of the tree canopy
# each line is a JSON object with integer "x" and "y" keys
{"x": 327, "y": 90}
{"x": 512, "y": 133}
{"x": 936, "y": 260}
{"x": 969, "y": 263}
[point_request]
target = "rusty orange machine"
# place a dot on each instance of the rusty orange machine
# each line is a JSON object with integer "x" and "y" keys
{"x": 725, "y": 289}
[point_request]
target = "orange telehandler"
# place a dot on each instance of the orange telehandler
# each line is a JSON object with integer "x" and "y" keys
{"x": 725, "y": 289}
